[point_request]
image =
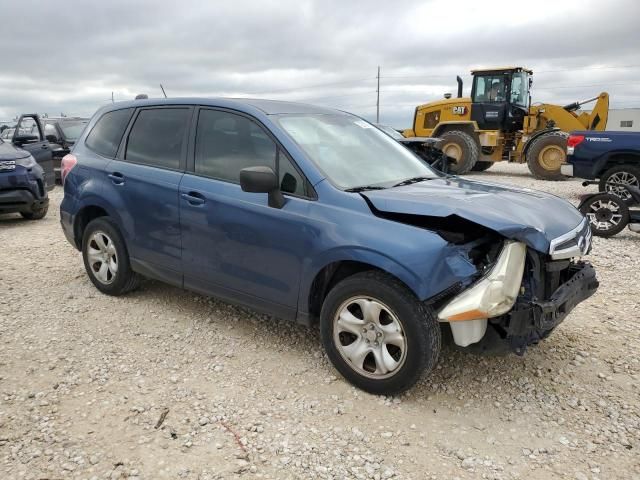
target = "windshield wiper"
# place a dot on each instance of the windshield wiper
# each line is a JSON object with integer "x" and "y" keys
{"x": 364, "y": 188}
{"x": 411, "y": 180}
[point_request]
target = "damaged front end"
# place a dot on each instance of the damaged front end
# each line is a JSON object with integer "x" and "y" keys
{"x": 526, "y": 277}
{"x": 518, "y": 302}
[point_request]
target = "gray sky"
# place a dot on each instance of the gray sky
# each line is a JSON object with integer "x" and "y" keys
{"x": 68, "y": 56}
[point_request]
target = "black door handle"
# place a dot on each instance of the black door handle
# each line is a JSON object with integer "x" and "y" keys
{"x": 117, "y": 178}
{"x": 194, "y": 198}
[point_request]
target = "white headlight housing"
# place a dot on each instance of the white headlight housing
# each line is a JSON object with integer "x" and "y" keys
{"x": 495, "y": 293}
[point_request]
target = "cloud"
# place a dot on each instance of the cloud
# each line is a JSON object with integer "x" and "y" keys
{"x": 70, "y": 56}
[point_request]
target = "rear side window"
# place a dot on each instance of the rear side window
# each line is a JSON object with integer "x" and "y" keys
{"x": 226, "y": 143}
{"x": 105, "y": 136}
{"x": 157, "y": 136}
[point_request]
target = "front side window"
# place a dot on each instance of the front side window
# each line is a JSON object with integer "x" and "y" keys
{"x": 520, "y": 89}
{"x": 157, "y": 136}
{"x": 351, "y": 152}
{"x": 490, "y": 88}
{"x": 106, "y": 134}
{"x": 226, "y": 143}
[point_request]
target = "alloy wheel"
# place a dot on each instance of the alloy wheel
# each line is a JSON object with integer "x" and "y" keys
{"x": 102, "y": 257}
{"x": 604, "y": 215}
{"x": 370, "y": 337}
{"x": 621, "y": 178}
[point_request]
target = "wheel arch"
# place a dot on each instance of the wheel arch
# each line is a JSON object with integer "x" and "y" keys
{"x": 331, "y": 272}
{"x": 93, "y": 208}
{"x": 468, "y": 127}
{"x": 619, "y": 158}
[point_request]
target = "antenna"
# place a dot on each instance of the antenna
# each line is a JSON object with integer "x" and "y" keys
{"x": 378, "y": 98}
{"x": 163, "y": 92}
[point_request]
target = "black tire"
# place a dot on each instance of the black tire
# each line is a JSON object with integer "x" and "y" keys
{"x": 38, "y": 214}
{"x": 420, "y": 328}
{"x": 467, "y": 145}
{"x": 125, "y": 279}
{"x": 629, "y": 174}
{"x": 541, "y": 167}
{"x": 481, "y": 166}
{"x": 603, "y": 210}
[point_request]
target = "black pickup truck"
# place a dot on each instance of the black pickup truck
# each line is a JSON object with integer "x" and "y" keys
{"x": 611, "y": 157}
{"x": 26, "y": 170}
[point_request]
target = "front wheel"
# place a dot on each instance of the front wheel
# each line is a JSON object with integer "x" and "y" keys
{"x": 461, "y": 148}
{"x": 106, "y": 259}
{"x": 545, "y": 155}
{"x": 608, "y": 214}
{"x": 377, "y": 334}
{"x": 37, "y": 214}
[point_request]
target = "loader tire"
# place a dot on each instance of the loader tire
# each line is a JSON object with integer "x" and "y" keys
{"x": 462, "y": 148}
{"x": 481, "y": 166}
{"x": 546, "y": 154}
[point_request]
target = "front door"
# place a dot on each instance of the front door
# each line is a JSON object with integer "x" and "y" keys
{"x": 234, "y": 245}
{"x": 30, "y": 137}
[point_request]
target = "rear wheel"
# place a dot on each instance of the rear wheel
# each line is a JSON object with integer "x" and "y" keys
{"x": 481, "y": 166}
{"x": 546, "y": 154}
{"x": 608, "y": 214}
{"x": 461, "y": 148}
{"x": 106, "y": 259}
{"x": 611, "y": 180}
{"x": 377, "y": 334}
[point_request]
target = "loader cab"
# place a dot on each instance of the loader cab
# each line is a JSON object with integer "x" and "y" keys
{"x": 500, "y": 98}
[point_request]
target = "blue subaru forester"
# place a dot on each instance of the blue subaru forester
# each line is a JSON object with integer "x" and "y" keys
{"x": 317, "y": 216}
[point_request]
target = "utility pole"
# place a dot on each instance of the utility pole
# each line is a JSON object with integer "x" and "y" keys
{"x": 112, "y": 97}
{"x": 378, "y": 97}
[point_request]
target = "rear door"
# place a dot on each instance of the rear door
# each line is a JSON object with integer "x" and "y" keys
{"x": 30, "y": 137}
{"x": 146, "y": 175}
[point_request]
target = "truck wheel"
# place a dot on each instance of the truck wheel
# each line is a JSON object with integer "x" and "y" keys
{"x": 608, "y": 214}
{"x": 377, "y": 334}
{"x": 546, "y": 154}
{"x": 36, "y": 214}
{"x": 462, "y": 148}
{"x": 106, "y": 259}
{"x": 620, "y": 175}
{"x": 481, "y": 166}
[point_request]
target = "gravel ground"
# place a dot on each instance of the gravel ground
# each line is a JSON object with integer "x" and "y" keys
{"x": 163, "y": 383}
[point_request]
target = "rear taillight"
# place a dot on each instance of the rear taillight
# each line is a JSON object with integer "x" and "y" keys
{"x": 68, "y": 162}
{"x": 572, "y": 142}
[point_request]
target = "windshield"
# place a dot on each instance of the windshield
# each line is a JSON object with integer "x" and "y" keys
{"x": 72, "y": 130}
{"x": 396, "y": 135}
{"x": 351, "y": 152}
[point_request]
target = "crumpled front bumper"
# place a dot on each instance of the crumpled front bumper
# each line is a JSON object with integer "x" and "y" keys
{"x": 532, "y": 320}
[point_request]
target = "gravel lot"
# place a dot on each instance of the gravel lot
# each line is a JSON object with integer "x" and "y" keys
{"x": 85, "y": 381}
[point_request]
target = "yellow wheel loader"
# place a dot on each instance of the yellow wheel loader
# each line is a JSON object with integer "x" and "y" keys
{"x": 499, "y": 123}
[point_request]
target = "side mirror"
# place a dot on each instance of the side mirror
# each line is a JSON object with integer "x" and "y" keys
{"x": 262, "y": 180}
